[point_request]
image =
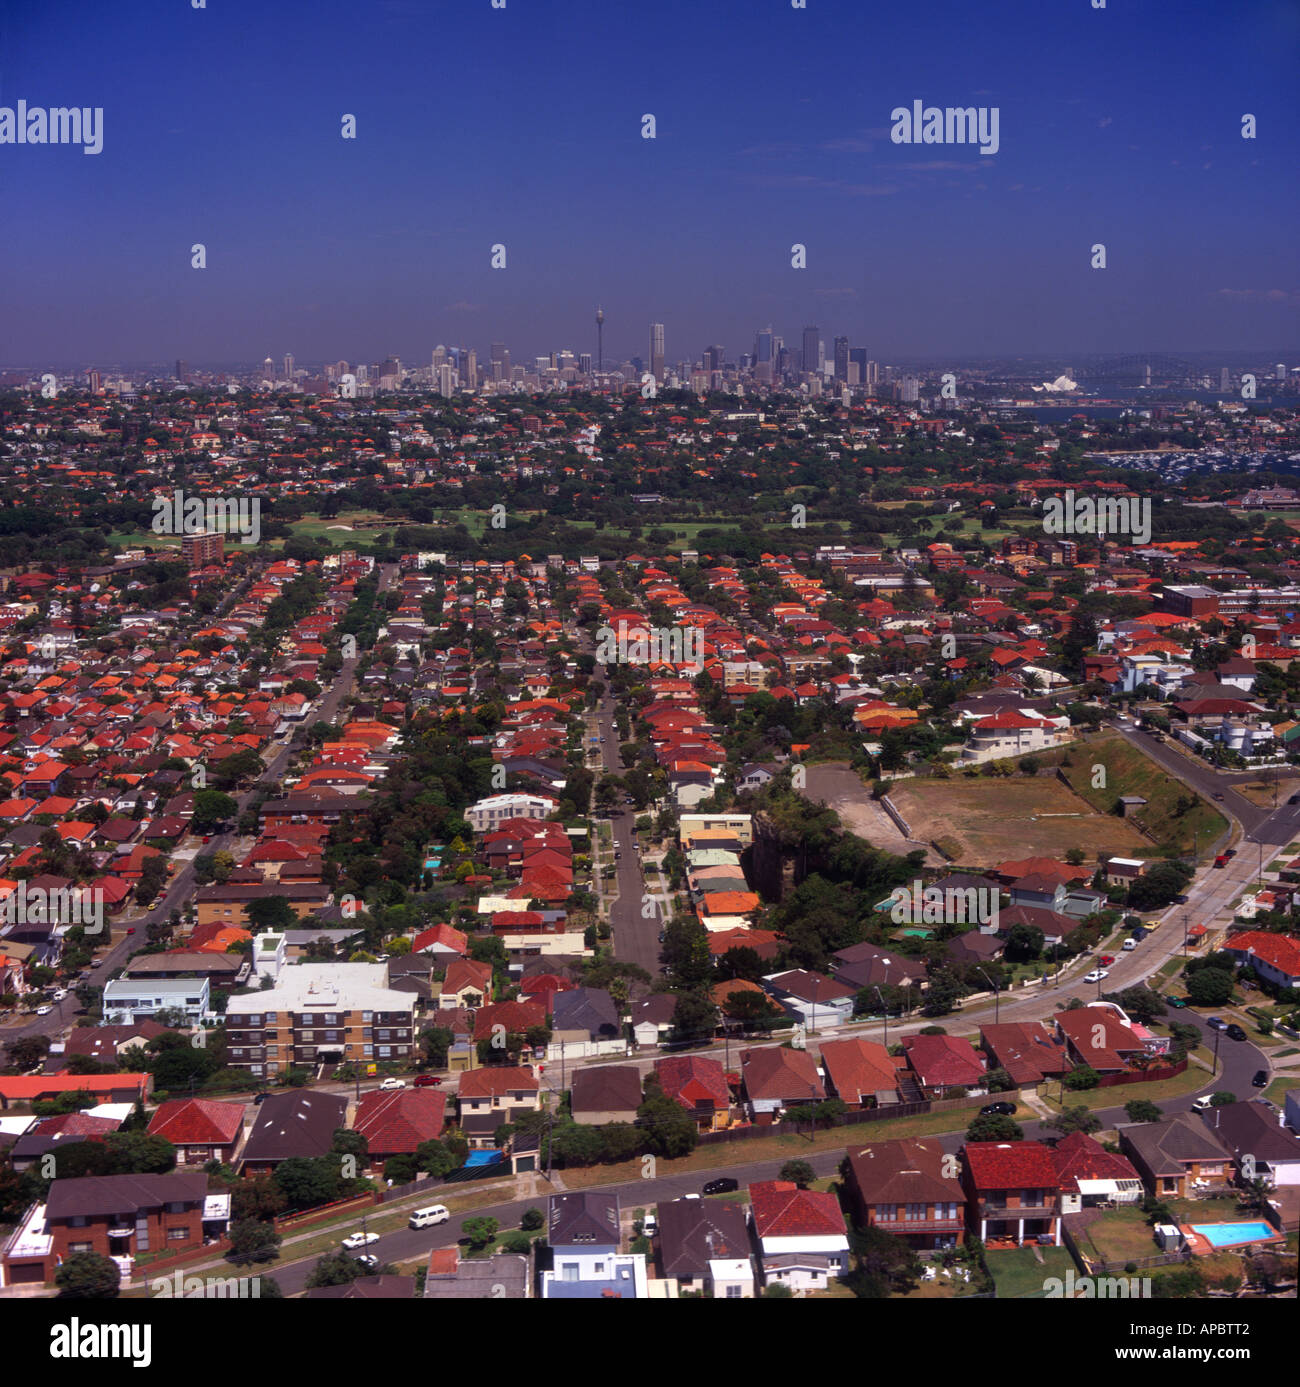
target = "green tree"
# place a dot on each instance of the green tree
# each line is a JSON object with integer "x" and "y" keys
{"x": 212, "y": 809}
{"x": 88, "y": 1276}
{"x": 252, "y": 1240}
{"x": 335, "y": 1269}
{"x": 669, "y": 1129}
{"x": 1209, "y": 987}
{"x": 480, "y": 1230}
{"x": 1077, "y": 1118}
{"x": 994, "y": 1127}
{"x": 799, "y": 1173}
{"x": 270, "y": 913}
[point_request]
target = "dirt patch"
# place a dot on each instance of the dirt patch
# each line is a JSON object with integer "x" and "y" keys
{"x": 839, "y": 787}
{"x": 990, "y": 821}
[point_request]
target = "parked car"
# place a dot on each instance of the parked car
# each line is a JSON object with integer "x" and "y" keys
{"x": 44, "y": 1011}
{"x": 1139, "y": 934}
{"x": 1221, "y": 860}
{"x": 1218, "y": 795}
{"x": 1234, "y": 1032}
{"x": 427, "y": 1080}
{"x": 1106, "y": 960}
{"x": 368, "y": 1260}
{"x": 650, "y": 1224}
{"x": 1129, "y": 944}
{"x": 998, "y": 1109}
{"x": 260, "y": 1098}
{"x": 1201, "y": 1105}
{"x": 1295, "y": 799}
{"x": 428, "y": 1217}
{"x": 1260, "y": 1079}
{"x": 1096, "y": 975}
{"x": 131, "y": 929}
{"x": 393, "y": 1083}
{"x": 1230, "y": 852}
{"x": 1216, "y": 1023}
{"x": 726, "y": 1185}
{"x": 355, "y": 1240}
{"x": 1177, "y": 1002}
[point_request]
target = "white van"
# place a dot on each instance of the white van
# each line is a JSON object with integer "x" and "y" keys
{"x": 427, "y": 1218}
{"x": 1129, "y": 944}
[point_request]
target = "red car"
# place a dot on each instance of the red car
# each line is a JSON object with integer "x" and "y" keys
{"x": 131, "y": 930}
{"x": 1106, "y": 960}
{"x": 427, "y": 1080}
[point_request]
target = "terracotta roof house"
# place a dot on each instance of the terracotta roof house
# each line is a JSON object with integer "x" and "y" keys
{"x": 1027, "y": 1050}
{"x": 493, "y": 1095}
{"x": 860, "y": 1072}
{"x": 200, "y": 1129}
{"x": 800, "y": 1233}
{"x": 776, "y": 1079}
{"x": 944, "y": 1065}
{"x": 1098, "y": 1037}
{"x": 1013, "y": 1192}
{"x": 1091, "y": 1175}
{"x": 394, "y": 1123}
{"x": 699, "y": 1084}
{"x": 908, "y": 1188}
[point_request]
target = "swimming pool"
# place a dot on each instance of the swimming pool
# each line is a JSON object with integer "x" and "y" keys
{"x": 1230, "y": 1234}
{"x": 478, "y": 1158}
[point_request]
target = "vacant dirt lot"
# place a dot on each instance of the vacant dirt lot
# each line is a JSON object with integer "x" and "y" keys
{"x": 986, "y": 821}
{"x": 837, "y": 786}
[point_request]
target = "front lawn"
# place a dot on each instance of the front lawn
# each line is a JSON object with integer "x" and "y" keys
{"x": 1017, "y": 1272}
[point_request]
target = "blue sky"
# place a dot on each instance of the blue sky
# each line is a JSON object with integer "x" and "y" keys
{"x": 523, "y": 126}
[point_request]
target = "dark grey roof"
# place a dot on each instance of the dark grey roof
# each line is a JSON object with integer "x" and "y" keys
{"x": 1164, "y": 1146}
{"x": 99, "y": 1196}
{"x": 589, "y": 1009}
{"x": 1252, "y": 1128}
{"x": 586, "y": 1217}
{"x": 295, "y": 1124}
{"x": 692, "y": 1232}
{"x": 606, "y": 1088}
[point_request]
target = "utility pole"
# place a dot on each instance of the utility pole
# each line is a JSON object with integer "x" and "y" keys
{"x": 884, "y": 1009}
{"x": 997, "y": 994}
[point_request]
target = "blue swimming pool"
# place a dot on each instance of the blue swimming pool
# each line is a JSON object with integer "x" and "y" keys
{"x": 476, "y": 1158}
{"x": 1230, "y": 1234}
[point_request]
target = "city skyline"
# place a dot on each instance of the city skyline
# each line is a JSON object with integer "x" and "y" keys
{"x": 1115, "y": 129}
